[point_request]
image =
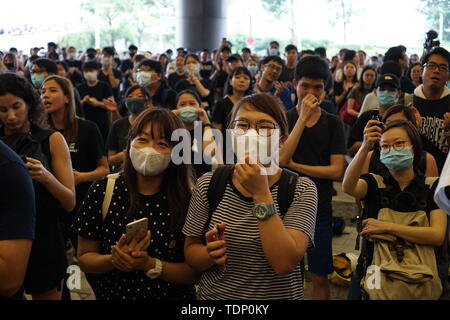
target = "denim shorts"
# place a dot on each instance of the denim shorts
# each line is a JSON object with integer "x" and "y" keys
{"x": 320, "y": 257}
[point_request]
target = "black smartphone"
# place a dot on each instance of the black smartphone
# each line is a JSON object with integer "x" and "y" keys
{"x": 379, "y": 119}
{"x": 24, "y": 158}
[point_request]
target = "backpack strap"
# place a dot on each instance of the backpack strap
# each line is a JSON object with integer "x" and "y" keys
{"x": 217, "y": 186}
{"x": 109, "y": 193}
{"x": 286, "y": 190}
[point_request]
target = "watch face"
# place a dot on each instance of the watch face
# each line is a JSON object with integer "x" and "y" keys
{"x": 260, "y": 212}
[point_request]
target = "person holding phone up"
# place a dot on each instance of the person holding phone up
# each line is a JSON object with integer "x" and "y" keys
{"x": 151, "y": 265}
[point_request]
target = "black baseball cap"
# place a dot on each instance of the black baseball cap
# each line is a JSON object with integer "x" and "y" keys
{"x": 389, "y": 78}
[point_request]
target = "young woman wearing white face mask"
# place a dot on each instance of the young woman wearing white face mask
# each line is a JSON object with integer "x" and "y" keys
{"x": 195, "y": 82}
{"x": 402, "y": 192}
{"x": 251, "y": 251}
{"x": 150, "y": 186}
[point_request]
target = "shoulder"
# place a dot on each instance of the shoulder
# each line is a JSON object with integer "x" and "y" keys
{"x": 305, "y": 186}
{"x": 204, "y": 181}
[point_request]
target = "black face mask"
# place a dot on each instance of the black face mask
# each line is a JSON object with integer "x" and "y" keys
{"x": 10, "y": 66}
{"x": 91, "y": 56}
{"x": 132, "y": 54}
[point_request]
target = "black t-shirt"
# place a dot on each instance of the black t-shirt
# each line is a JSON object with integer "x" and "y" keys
{"x": 167, "y": 245}
{"x": 105, "y": 78}
{"x": 221, "y": 115}
{"x": 96, "y": 114}
{"x": 117, "y": 138}
{"x": 357, "y": 131}
{"x": 165, "y": 98}
{"x": 207, "y": 69}
{"x": 315, "y": 147}
{"x": 17, "y": 201}
{"x": 126, "y": 65}
{"x": 197, "y": 153}
{"x": 433, "y": 138}
{"x": 208, "y": 84}
{"x": 76, "y": 78}
{"x": 174, "y": 78}
{"x": 287, "y": 75}
{"x": 85, "y": 153}
{"x": 406, "y": 85}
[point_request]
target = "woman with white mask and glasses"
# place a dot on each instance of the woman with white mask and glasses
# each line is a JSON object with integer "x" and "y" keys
{"x": 150, "y": 186}
{"x": 254, "y": 235}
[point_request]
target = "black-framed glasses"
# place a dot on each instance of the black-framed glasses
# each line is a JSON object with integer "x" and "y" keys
{"x": 264, "y": 128}
{"x": 397, "y": 146}
{"x": 434, "y": 66}
{"x": 274, "y": 67}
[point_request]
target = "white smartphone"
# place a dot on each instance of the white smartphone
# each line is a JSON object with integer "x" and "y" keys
{"x": 133, "y": 227}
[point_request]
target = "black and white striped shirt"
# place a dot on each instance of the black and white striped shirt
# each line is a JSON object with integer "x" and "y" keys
{"x": 248, "y": 274}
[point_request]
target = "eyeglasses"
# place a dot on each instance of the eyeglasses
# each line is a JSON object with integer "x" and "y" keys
{"x": 273, "y": 67}
{"x": 264, "y": 128}
{"x": 397, "y": 146}
{"x": 434, "y": 66}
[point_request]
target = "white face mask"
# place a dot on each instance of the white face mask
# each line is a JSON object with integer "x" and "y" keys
{"x": 144, "y": 78}
{"x": 149, "y": 162}
{"x": 260, "y": 148}
{"x": 90, "y": 76}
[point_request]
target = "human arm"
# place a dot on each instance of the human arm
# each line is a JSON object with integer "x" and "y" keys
{"x": 101, "y": 171}
{"x": 350, "y": 106}
{"x": 59, "y": 182}
{"x": 116, "y": 158}
{"x": 334, "y": 171}
{"x": 433, "y": 235}
{"x": 352, "y": 184}
{"x": 90, "y": 259}
{"x": 283, "y": 247}
{"x": 309, "y": 104}
{"x": 432, "y": 169}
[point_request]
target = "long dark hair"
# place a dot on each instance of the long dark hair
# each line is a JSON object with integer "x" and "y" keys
{"x": 70, "y": 119}
{"x": 177, "y": 182}
{"x": 361, "y": 80}
{"x": 22, "y": 88}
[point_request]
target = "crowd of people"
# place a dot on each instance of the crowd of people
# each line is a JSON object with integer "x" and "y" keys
{"x": 87, "y": 148}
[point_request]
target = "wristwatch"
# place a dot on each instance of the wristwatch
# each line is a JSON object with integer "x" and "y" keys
{"x": 156, "y": 271}
{"x": 263, "y": 211}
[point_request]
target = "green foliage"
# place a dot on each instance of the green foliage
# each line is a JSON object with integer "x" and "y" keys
{"x": 276, "y": 7}
{"x": 81, "y": 41}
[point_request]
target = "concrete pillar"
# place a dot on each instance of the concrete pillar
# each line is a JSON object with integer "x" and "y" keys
{"x": 201, "y": 23}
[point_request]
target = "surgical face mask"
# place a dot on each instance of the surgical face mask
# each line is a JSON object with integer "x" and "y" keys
{"x": 149, "y": 162}
{"x": 90, "y": 76}
{"x": 273, "y": 52}
{"x": 448, "y": 84}
{"x": 397, "y": 160}
{"x": 189, "y": 114}
{"x": 195, "y": 68}
{"x": 135, "y": 105}
{"x": 37, "y": 79}
{"x": 180, "y": 70}
{"x": 252, "y": 69}
{"x": 387, "y": 98}
{"x": 144, "y": 78}
{"x": 71, "y": 56}
{"x": 259, "y": 148}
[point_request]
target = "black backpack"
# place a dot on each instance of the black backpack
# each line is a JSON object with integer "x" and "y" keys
{"x": 31, "y": 145}
{"x": 218, "y": 184}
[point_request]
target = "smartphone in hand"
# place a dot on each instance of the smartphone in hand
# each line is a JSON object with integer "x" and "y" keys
{"x": 133, "y": 228}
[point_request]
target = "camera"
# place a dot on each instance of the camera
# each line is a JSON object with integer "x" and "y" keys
{"x": 430, "y": 43}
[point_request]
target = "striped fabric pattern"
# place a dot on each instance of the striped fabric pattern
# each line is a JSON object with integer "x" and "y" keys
{"x": 247, "y": 274}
